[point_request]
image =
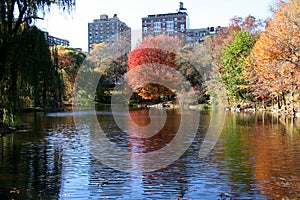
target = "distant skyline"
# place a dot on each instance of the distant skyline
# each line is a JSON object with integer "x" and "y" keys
{"x": 74, "y": 26}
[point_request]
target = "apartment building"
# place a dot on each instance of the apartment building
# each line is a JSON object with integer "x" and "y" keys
{"x": 108, "y": 30}
{"x": 54, "y": 41}
{"x": 172, "y": 24}
{"x": 195, "y": 36}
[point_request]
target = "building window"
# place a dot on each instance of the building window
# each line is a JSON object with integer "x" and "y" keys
{"x": 157, "y": 24}
{"x": 157, "y": 30}
{"x": 182, "y": 29}
{"x": 170, "y": 26}
{"x": 157, "y": 27}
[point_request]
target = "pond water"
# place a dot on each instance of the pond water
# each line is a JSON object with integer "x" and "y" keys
{"x": 256, "y": 157}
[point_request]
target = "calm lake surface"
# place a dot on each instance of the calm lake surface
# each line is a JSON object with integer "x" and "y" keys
{"x": 256, "y": 157}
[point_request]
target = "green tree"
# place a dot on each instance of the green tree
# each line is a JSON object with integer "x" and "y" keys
{"x": 234, "y": 61}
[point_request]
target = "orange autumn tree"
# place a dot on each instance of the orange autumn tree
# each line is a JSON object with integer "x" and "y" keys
{"x": 154, "y": 53}
{"x": 275, "y": 58}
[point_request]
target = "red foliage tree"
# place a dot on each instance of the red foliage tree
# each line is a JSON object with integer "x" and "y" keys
{"x": 156, "y": 54}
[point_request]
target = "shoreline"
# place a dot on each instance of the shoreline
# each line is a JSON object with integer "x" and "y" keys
{"x": 6, "y": 129}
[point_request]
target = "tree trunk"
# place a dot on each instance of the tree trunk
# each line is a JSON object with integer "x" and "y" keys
{"x": 278, "y": 102}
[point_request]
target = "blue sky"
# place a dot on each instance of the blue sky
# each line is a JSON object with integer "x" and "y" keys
{"x": 202, "y": 13}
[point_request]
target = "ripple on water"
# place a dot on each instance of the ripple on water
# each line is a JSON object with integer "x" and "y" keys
{"x": 254, "y": 159}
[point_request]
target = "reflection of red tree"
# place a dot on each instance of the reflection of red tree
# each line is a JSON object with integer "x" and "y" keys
{"x": 159, "y": 140}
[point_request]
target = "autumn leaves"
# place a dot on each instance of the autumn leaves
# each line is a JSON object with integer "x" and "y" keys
{"x": 275, "y": 57}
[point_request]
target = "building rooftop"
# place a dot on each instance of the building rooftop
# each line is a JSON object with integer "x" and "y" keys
{"x": 167, "y": 14}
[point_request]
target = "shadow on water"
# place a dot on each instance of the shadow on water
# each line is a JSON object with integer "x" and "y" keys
{"x": 256, "y": 157}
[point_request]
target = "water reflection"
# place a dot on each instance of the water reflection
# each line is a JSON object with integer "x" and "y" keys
{"x": 276, "y": 151}
{"x": 159, "y": 140}
{"x": 262, "y": 154}
{"x": 30, "y": 165}
{"x": 257, "y": 157}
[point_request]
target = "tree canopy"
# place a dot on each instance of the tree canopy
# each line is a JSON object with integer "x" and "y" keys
{"x": 26, "y": 68}
{"x": 275, "y": 58}
{"x": 155, "y": 53}
{"x": 233, "y": 61}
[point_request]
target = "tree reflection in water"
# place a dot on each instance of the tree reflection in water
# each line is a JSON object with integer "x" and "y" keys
{"x": 257, "y": 157}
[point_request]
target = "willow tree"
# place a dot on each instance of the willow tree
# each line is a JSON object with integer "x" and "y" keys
{"x": 25, "y": 64}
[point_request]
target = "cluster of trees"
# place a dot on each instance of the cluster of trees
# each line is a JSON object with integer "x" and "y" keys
{"x": 259, "y": 62}
{"x": 164, "y": 70}
{"x": 274, "y": 65}
{"x": 28, "y": 73}
{"x": 251, "y": 59}
{"x": 254, "y": 61}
